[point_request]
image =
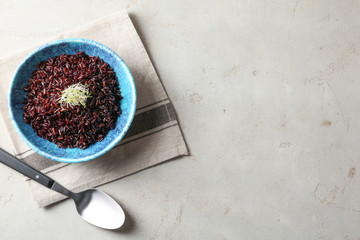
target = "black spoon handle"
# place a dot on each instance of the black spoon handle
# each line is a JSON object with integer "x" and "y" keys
{"x": 25, "y": 169}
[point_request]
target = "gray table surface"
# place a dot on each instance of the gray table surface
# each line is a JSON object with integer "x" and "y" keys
{"x": 267, "y": 94}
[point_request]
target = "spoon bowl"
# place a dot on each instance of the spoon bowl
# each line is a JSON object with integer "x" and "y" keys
{"x": 99, "y": 209}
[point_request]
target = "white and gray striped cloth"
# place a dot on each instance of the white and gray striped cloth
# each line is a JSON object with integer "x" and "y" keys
{"x": 153, "y": 137}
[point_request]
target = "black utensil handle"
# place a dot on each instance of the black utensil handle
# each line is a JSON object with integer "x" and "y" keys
{"x": 25, "y": 169}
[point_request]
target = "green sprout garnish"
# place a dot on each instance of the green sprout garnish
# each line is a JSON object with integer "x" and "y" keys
{"x": 74, "y": 95}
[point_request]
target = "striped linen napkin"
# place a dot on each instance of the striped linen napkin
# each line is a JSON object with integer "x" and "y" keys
{"x": 153, "y": 137}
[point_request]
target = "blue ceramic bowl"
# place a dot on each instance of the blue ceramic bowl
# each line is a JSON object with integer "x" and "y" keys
{"x": 71, "y": 46}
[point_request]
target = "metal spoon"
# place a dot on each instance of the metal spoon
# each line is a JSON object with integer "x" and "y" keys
{"x": 94, "y": 206}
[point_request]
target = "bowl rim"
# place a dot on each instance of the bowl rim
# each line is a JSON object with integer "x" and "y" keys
{"x": 113, "y": 142}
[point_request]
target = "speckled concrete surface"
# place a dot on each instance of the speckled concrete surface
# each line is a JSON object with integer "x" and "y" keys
{"x": 267, "y": 94}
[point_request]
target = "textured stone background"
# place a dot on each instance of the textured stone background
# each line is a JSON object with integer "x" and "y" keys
{"x": 267, "y": 94}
